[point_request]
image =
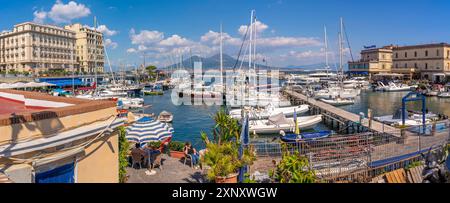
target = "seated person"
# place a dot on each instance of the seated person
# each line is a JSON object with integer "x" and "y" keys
{"x": 152, "y": 154}
{"x": 188, "y": 149}
{"x": 137, "y": 153}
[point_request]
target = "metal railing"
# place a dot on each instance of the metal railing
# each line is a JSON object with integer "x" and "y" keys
{"x": 358, "y": 156}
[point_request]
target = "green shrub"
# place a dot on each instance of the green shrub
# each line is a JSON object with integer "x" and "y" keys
{"x": 176, "y": 146}
{"x": 154, "y": 144}
{"x": 293, "y": 168}
{"x": 224, "y": 159}
{"x": 123, "y": 155}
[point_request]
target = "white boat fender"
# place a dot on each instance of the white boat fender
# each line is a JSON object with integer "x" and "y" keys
{"x": 282, "y": 133}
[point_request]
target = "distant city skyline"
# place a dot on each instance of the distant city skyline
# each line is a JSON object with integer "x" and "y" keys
{"x": 290, "y": 32}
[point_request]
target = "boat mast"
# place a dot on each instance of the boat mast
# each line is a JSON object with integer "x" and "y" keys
{"x": 221, "y": 55}
{"x": 254, "y": 42}
{"x": 251, "y": 40}
{"x": 326, "y": 51}
{"x": 96, "y": 57}
{"x": 341, "y": 61}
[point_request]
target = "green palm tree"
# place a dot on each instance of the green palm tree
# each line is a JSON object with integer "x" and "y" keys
{"x": 226, "y": 128}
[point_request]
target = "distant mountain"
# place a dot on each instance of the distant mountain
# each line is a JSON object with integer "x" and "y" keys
{"x": 312, "y": 67}
{"x": 213, "y": 62}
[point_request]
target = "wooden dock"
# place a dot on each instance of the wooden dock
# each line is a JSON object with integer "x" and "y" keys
{"x": 343, "y": 117}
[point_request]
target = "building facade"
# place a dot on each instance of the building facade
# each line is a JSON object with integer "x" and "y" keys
{"x": 34, "y": 48}
{"x": 428, "y": 61}
{"x": 46, "y": 139}
{"x": 377, "y": 60}
{"x": 89, "y": 48}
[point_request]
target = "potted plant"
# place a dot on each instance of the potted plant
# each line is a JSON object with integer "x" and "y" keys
{"x": 155, "y": 145}
{"x": 293, "y": 168}
{"x": 224, "y": 162}
{"x": 176, "y": 149}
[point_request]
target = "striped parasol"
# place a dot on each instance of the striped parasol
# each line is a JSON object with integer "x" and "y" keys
{"x": 147, "y": 130}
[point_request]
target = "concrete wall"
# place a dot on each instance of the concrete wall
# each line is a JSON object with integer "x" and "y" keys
{"x": 101, "y": 161}
{"x": 43, "y": 128}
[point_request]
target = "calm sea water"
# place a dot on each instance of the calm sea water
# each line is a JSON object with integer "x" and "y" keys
{"x": 386, "y": 103}
{"x": 189, "y": 121}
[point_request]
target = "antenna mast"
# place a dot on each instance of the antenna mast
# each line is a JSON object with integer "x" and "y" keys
{"x": 326, "y": 50}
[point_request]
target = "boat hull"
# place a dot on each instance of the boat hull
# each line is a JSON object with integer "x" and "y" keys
{"x": 264, "y": 127}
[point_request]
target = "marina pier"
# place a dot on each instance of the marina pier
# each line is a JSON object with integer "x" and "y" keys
{"x": 359, "y": 152}
{"x": 340, "y": 119}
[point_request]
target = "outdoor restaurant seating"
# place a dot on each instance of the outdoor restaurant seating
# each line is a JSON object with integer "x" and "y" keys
{"x": 186, "y": 157}
{"x": 136, "y": 158}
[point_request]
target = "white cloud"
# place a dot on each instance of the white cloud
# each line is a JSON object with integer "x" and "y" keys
{"x": 288, "y": 42}
{"x": 275, "y": 49}
{"x": 63, "y": 13}
{"x": 306, "y": 54}
{"x": 39, "y": 16}
{"x": 213, "y": 38}
{"x": 106, "y": 31}
{"x": 111, "y": 44}
{"x": 145, "y": 37}
{"x": 175, "y": 40}
{"x": 131, "y": 50}
{"x": 260, "y": 28}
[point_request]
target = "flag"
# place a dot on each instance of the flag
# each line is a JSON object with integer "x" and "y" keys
{"x": 297, "y": 129}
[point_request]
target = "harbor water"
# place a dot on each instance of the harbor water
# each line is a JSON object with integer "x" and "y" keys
{"x": 190, "y": 120}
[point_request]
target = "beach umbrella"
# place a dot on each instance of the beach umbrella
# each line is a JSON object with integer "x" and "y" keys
{"x": 297, "y": 129}
{"x": 147, "y": 130}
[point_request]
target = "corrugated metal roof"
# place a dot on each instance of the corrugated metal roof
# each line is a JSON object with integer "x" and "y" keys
{"x": 4, "y": 178}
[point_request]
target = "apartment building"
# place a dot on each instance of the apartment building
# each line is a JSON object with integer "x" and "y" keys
{"x": 89, "y": 48}
{"x": 34, "y": 47}
{"x": 373, "y": 61}
{"x": 427, "y": 61}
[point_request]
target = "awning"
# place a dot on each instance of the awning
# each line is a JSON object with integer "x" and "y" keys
{"x": 389, "y": 74}
{"x": 359, "y": 72}
{"x": 439, "y": 74}
{"x": 60, "y": 138}
{"x": 62, "y": 82}
{"x": 20, "y": 85}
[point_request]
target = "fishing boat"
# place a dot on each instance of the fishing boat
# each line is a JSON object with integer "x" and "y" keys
{"x": 130, "y": 103}
{"x": 414, "y": 119}
{"x": 338, "y": 101}
{"x": 270, "y": 110}
{"x": 152, "y": 90}
{"x": 165, "y": 117}
{"x": 444, "y": 95}
{"x": 279, "y": 122}
{"x": 289, "y": 138}
{"x": 392, "y": 87}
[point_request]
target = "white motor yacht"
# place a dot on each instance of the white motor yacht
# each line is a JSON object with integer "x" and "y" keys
{"x": 270, "y": 111}
{"x": 279, "y": 122}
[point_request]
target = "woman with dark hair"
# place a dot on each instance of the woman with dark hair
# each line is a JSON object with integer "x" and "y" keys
{"x": 189, "y": 150}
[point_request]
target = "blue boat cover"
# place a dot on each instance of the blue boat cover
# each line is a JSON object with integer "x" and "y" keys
{"x": 62, "y": 82}
{"x": 305, "y": 136}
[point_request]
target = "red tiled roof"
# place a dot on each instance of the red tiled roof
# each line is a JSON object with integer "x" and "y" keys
{"x": 80, "y": 106}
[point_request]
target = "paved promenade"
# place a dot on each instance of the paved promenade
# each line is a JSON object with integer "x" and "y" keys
{"x": 173, "y": 171}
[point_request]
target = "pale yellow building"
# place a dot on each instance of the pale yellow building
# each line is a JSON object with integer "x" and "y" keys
{"x": 373, "y": 61}
{"x": 46, "y": 139}
{"x": 428, "y": 61}
{"x": 89, "y": 48}
{"x": 34, "y": 47}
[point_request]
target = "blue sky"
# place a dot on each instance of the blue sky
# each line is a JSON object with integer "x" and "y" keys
{"x": 290, "y": 32}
